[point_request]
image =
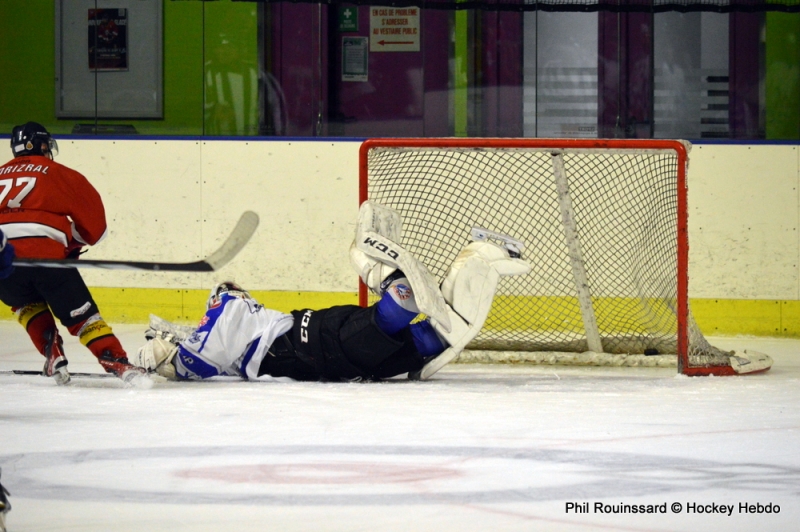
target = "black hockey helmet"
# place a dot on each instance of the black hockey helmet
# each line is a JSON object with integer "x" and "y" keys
{"x": 33, "y": 139}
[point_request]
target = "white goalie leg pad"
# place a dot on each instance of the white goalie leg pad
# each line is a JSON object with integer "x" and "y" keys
{"x": 469, "y": 289}
{"x": 156, "y": 355}
{"x": 376, "y": 254}
{"x": 376, "y": 218}
{"x": 750, "y": 361}
{"x": 471, "y": 282}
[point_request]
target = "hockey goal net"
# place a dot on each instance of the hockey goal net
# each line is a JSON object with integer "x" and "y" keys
{"x": 604, "y": 223}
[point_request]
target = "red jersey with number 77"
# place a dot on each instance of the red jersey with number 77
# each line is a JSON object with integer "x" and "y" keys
{"x": 48, "y": 210}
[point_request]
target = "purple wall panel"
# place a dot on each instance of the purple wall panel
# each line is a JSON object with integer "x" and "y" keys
{"x": 299, "y": 60}
{"x": 436, "y": 51}
{"x": 640, "y": 75}
{"x": 502, "y": 71}
{"x": 405, "y": 94}
{"x": 609, "y": 75}
{"x": 390, "y": 102}
{"x": 625, "y": 75}
{"x": 743, "y": 69}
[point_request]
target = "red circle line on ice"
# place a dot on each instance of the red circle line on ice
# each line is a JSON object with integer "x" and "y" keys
{"x": 320, "y": 473}
{"x": 599, "y": 474}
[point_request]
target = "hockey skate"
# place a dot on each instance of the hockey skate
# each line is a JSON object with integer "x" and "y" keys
{"x": 5, "y": 507}
{"x": 55, "y": 363}
{"x": 122, "y": 368}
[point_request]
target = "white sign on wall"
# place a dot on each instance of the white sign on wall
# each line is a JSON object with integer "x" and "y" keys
{"x": 355, "y": 60}
{"x": 394, "y": 29}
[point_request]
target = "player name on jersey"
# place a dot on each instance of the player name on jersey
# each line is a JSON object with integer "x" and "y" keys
{"x": 42, "y": 169}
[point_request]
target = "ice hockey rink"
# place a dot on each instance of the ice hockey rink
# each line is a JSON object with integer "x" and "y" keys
{"x": 491, "y": 447}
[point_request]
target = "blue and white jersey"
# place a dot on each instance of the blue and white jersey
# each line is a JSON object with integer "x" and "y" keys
{"x": 232, "y": 339}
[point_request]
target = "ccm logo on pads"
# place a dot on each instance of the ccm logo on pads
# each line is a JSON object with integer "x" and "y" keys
{"x": 304, "y": 326}
{"x": 380, "y": 246}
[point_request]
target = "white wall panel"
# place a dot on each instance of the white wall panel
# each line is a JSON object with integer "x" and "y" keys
{"x": 152, "y": 194}
{"x": 743, "y": 222}
{"x": 175, "y": 200}
{"x": 306, "y": 194}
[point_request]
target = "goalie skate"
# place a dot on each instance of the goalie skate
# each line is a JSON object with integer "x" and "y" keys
{"x": 512, "y": 245}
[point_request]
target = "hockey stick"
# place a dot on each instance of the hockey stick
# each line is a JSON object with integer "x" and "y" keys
{"x": 71, "y": 374}
{"x": 240, "y": 235}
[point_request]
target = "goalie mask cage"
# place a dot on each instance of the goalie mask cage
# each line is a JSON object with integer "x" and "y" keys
{"x": 604, "y": 223}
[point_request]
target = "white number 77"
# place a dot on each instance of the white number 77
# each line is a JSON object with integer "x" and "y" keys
{"x": 16, "y": 201}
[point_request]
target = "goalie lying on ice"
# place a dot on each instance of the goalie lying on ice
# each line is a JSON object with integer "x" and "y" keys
{"x": 238, "y": 336}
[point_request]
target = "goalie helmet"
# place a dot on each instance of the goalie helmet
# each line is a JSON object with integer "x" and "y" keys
{"x": 33, "y": 139}
{"x": 227, "y": 287}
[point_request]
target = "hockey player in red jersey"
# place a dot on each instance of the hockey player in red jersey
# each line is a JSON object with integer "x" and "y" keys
{"x": 49, "y": 211}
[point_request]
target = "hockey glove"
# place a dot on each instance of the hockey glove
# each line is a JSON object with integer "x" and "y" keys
{"x": 74, "y": 249}
{"x": 156, "y": 356}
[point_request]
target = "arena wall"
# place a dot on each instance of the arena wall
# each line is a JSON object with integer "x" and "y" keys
{"x": 176, "y": 200}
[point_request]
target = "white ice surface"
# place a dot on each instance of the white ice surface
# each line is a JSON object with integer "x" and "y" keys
{"x": 475, "y": 448}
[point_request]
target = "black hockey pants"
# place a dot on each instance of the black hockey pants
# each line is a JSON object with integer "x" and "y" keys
{"x": 342, "y": 343}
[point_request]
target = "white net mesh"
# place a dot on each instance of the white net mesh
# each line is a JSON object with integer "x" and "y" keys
{"x": 625, "y": 208}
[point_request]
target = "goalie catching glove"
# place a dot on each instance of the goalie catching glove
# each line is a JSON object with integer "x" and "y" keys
{"x": 156, "y": 356}
{"x": 163, "y": 338}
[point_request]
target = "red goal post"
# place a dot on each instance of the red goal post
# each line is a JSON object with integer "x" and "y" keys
{"x": 605, "y": 224}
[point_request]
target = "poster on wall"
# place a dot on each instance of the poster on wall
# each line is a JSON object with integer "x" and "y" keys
{"x": 109, "y": 63}
{"x": 355, "y": 58}
{"x": 108, "y": 39}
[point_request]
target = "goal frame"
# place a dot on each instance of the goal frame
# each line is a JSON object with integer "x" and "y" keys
{"x": 682, "y": 259}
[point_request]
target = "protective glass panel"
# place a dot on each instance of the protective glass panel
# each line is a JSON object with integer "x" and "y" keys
{"x": 307, "y": 69}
